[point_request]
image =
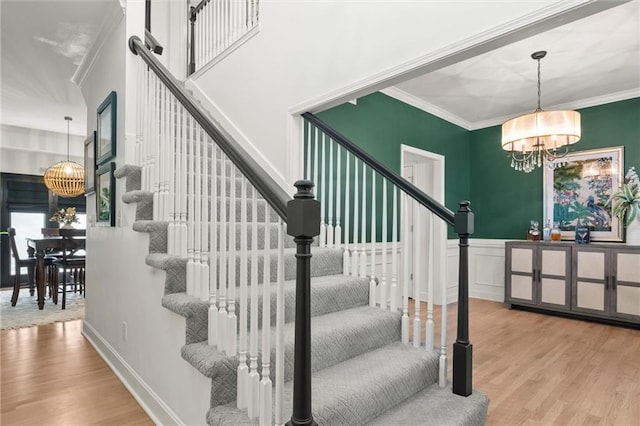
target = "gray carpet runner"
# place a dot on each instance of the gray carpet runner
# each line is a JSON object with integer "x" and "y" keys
{"x": 362, "y": 374}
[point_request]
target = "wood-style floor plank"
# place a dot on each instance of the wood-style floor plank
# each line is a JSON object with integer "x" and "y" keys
{"x": 50, "y": 375}
{"x": 537, "y": 370}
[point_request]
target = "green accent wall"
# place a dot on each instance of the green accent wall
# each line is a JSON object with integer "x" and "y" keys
{"x": 476, "y": 167}
{"x": 505, "y": 201}
{"x": 380, "y": 124}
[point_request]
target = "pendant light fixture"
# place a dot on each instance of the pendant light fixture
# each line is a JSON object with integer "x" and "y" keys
{"x": 66, "y": 178}
{"x": 540, "y": 136}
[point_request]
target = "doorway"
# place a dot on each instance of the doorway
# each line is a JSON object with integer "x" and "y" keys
{"x": 427, "y": 232}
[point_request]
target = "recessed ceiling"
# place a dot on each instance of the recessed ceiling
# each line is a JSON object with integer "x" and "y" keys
{"x": 589, "y": 61}
{"x": 42, "y": 44}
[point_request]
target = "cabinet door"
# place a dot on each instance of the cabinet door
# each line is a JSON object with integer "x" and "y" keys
{"x": 625, "y": 283}
{"x": 519, "y": 275}
{"x": 589, "y": 282}
{"x": 554, "y": 264}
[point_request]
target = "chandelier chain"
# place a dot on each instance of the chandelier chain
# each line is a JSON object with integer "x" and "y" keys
{"x": 539, "y": 91}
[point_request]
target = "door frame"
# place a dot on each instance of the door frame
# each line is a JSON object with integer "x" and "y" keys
{"x": 429, "y": 176}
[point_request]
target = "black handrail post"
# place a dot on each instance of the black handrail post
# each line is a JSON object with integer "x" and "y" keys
{"x": 462, "y": 348}
{"x": 192, "y": 53}
{"x": 303, "y": 214}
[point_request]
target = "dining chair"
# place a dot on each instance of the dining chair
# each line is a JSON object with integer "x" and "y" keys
{"x": 50, "y": 263}
{"x": 72, "y": 262}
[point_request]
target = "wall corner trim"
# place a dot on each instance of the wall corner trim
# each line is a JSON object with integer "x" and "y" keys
{"x": 150, "y": 402}
{"x": 112, "y": 19}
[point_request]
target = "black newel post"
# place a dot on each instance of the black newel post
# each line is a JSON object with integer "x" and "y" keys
{"x": 303, "y": 223}
{"x": 192, "y": 54}
{"x": 462, "y": 348}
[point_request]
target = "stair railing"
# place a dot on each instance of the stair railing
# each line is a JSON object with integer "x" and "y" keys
{"x": 353, "y": 225}
{"x": 208, "y": 189}
{"x": 215, "y": 25}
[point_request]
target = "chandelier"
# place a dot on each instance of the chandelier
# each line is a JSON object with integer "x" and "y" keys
{"x": 66, "y": 178}
{"x": 541, "y": 136}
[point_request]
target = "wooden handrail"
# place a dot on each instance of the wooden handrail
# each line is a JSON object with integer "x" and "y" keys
{"x": 259, "y": 178}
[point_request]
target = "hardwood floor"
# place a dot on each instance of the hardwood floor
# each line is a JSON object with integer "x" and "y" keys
{"x": 539, "y": 369}
{"x": 50, "y": 375}
{"x": 536, "y": 369}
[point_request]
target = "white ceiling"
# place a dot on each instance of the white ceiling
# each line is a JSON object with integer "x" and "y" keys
{"x": 590, "y": 61}
{"x": 43, "y": 42}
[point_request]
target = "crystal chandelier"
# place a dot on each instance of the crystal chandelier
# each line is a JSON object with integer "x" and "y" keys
{"x": 66, "y": 178}
{"x": 538, "y": 137}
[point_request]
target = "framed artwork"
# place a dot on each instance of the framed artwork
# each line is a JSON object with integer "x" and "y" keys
{"x": 106, "y": 133}
{"x": 106, "y": 195}
{"x": 90, "y": 164}
{"x": 577, "y": 188}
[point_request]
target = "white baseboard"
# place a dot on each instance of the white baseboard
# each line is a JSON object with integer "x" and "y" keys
{"x": 150, "y": 402}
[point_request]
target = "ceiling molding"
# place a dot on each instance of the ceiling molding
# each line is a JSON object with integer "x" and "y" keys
{"x": 579, "y": 104}
{"x": 425, "y": 106}
{"x": 544, "y": 19}
{"x": 88, "y": 62}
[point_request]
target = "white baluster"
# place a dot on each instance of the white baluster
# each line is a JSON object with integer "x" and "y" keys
{"x": 356, "y": 215}
{"x": 222, "y": 292}
{"x": 253, "y": 383}
{"x": 405, "y": 270}
{"x": 184, "y": 231}
{"x": 214, "y": 255}
{"x": 429, "y": 323}
{"x": 172, "y": 246}
{"x": 243, "y": 368}
{"x": 385, "y": 237}
{"x": 279, "y": 417}
{"x": 394, "y": 253}
{"x": 315, "y": 175}
{"x": 363, "y": 233}
{"x": 346, "y": 255}
{"x": 372, "y": 278}
{"x": 417, "y": 276}
{"x": 154, "y": 154}
{"x": 337, "y": 232}
{"x": 232, "y": 323}
{"x": 197, "y": 252}
{"x": 330, "y": 181}
{"x": 323, "y": 198}
{"x": 190, "y": 212}
{"x": 206, "y": 205}
{"x": 265, "y": 383}
{"x": 307, "y": 174}
{"x": 442, "y": 376}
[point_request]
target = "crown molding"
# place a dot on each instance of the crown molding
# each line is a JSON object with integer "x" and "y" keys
{"x": 578, "y": 104}
{"x": 113, "y": 18}
{"x": 544, "y": 19}
{"x": 425, "y": 106}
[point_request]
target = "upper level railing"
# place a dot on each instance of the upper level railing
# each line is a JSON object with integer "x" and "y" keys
{"x": 360, "y": 213}
{"x": 216, "y": 25}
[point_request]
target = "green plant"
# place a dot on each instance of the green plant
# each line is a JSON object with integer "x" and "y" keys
{"x": 626, "y": 202}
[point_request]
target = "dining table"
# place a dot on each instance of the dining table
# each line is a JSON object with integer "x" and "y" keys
{"x": 69, "y": 239}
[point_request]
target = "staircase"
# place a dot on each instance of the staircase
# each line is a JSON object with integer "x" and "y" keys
{"x": 217, "y": 223}
{"x": 362, "y": 373}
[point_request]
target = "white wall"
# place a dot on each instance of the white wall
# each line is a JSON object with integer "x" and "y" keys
{"x": 121, "y": 288}
{"x": 309, "y": 54}
{"x": 32, "y": 152}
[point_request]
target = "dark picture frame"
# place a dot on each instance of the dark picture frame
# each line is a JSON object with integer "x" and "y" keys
{"x": 106, "y": 129}
{"x": 106, "y": 195}
{"x": 576, "y": 191}
{"x": 90, "y": 164}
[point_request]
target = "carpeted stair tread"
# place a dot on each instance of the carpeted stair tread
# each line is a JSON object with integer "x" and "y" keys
{"x": 438, "y": 407}
{"x": 336, "y": 337}
{"x": 133, "y": 175}
{"x": 357, "y": 390}
{"x": 176, "y": 271}
{"x": 194, "y": 310}
{"x": 143, "y": 201}
{"x": 157, "y": 231}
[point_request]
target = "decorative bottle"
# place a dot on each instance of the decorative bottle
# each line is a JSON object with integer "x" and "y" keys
{"x": 534, "y": 232}
{"x": 555, "y": 232}
{"x": 546, "y": 231}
